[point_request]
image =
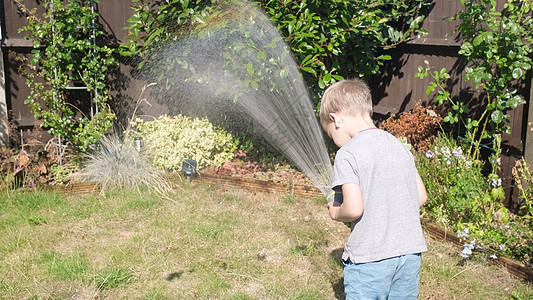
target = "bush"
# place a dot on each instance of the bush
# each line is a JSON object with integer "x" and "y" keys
{"x": 173, "y": 139}
{"x": 453, "y": 180}
{"x": 417, "y": 126}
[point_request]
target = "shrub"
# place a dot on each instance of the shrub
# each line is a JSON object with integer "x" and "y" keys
{"x": 64, "y": 53}
{"x": 21, "y": 168}
{"x": 453, "y": 182}
{"x": 173, "y": 139}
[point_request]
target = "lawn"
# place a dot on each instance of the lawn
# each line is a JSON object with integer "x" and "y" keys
{"x": 201, "y": 242}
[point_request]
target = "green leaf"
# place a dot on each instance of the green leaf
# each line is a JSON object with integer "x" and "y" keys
{"x": 306, "y": 60}
{"x": 261, "y": 55}
{"x": 430, "y": 89}
{"x": 497, "y": 116}
{"x": 284, "y": 72}
{"x": 309, "y": 70}
{"x": 254, "y": 85}
{"x": 250, "y": 69}
{"x": 384, "y": 57}
{"x": 518, "y": 73}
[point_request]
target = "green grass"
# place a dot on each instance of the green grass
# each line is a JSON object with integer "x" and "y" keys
{"x": 114, "y": 277}
{"x": 199, "y": 243}
{"x": 65, "y": 266}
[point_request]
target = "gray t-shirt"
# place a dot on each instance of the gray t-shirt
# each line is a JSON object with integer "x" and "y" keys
{"x": 385, "y": 170}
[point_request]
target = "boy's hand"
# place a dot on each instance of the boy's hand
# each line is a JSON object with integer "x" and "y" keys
{"x": 333, "y": 208}
{"x": 350, "y": 205}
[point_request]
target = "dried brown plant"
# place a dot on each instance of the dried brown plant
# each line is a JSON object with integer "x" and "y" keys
{"x": 418, "y": 125}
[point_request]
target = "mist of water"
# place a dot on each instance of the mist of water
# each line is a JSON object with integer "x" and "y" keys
{"x": 237, "y": 67}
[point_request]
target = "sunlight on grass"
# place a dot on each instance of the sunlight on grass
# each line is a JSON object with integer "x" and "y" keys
{"x": 200, "y": 243}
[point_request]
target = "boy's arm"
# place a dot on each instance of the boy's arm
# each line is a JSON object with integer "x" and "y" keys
{"x": 422, "y": 195}
{"x": 352, "y": 206}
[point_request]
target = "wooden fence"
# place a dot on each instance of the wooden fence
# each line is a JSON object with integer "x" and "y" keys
{"x": 395, "y": 90}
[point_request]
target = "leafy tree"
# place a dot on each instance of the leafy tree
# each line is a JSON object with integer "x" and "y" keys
{"x": 330, "y": 39}
{"x": 63, "y": 53}
{"x": 336, "y": 39}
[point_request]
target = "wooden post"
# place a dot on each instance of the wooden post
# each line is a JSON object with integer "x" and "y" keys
{"x": 528, "y": 148}
{"x": 4, "y": 127}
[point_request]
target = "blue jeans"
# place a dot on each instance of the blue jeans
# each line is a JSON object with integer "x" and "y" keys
{"x": 392, "y": 278}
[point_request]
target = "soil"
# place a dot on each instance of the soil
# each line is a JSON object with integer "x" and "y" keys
{"x": 241, "y": 165}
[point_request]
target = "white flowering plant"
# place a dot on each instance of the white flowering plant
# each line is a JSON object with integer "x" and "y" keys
{"x": 467, "y": 200}
{"x": 172, "y": 139}
{"x": 456, "y": 187}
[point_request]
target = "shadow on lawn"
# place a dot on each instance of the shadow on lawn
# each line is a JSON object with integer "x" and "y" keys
{"x": 338, "y": 286}
{"x": 174, "y": 275}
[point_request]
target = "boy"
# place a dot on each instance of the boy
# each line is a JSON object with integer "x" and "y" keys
{"x": 381, "y": 197}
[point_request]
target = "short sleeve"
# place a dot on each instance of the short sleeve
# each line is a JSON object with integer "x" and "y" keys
{"x": 344, "y": 169}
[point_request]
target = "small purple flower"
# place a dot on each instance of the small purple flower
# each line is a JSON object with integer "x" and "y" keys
{"x": 502, "y": 246}
{"x": 463, "y": 234}
{"x": 468, "y": 163}
{"x": 430, "y": 154}
{"x": 480, "y": 247}
{"x": 493, "y": 256}
{"x": 446, "y": 151}
{"x": 497, "y": 161}
{"x": 467, "y": 250}
{"x": 496, "y": 182}
{"x": 457, "y": 152}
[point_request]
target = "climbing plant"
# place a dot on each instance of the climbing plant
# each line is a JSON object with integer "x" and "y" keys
{"x": 497, "y": 49}
{"x": 64, "y": 53}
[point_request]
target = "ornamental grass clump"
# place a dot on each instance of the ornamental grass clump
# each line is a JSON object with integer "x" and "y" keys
{"x": 174, "y": 139}
{"x": 116, "y": 164}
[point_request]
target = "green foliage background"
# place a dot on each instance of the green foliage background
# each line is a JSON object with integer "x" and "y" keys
{"x": 330, "y": 39}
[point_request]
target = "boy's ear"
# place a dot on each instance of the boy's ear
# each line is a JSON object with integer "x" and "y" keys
{"x": 335, "y": 118}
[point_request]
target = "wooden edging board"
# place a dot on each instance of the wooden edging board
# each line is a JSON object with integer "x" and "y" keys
{"x": 260, "y": 185}
{"x": 513, "y": 267}
{"x": 81, "y": 188}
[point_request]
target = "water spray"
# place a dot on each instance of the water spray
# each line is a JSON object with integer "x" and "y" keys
{"x": 236, "y": 66}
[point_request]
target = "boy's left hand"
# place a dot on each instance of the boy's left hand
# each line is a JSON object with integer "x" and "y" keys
{"x": 333, "y": 208}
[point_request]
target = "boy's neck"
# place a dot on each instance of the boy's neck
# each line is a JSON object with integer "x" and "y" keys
{"x": 360, "y": 123}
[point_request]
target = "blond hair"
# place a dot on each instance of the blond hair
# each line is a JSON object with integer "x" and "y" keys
{"x": 349, "y": 96}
